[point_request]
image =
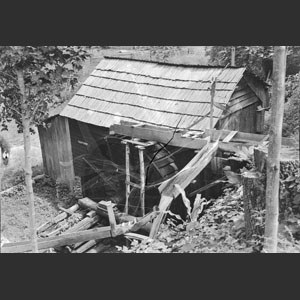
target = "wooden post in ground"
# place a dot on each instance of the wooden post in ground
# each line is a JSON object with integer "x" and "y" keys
{"x": 142, "y": 177}
{"x": 212, "y": 93}
{"x": 127, "y": 161}
{"x": 251, "y": 199}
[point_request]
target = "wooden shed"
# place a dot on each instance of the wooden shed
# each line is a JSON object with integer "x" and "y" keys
{"x": 167, "y": 95}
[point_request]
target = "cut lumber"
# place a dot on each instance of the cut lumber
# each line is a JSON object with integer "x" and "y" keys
{"x": 139, "y": 222}
{"x": 98, "y": 248}
{"x": 64, "y": 226}
{"x": 86, "y": 246}
{"x": 90, "y": 204}
{"x": 65, "y": 239}
{"x": 90, "y": 220}
{"x": 57, "y": 219}
{"x": 135, "y": 236}
{"x": 78, "y": 245}
{"x": 111, "y": 217}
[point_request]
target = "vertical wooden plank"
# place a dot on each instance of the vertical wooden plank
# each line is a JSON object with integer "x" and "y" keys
{"x": 127, "y": 161}
{"x": 54, "y": 149}
{"x": 212, "y": 93}
{"x": 111, "y": 217}
{"x": 164, "y": 205}
{"x": 42, "y": 134}
{"x": 66, "y": 154}
{"x": 142, "y": 176}
{"x": 69, "y": 148}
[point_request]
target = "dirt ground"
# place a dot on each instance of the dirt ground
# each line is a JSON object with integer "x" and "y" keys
{"x": 15, "y": 210}
{"x": 14, "y": 205}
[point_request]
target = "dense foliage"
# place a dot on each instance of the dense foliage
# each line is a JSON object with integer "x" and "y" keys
{"x": 47, "y": 71}
{"x": 258, "y": 59}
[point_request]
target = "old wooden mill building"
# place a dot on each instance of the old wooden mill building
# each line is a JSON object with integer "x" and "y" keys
{"x": 134, "y": 124}
{"x": 140, "y": 134}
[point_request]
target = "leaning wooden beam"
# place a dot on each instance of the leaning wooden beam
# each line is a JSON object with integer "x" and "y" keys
{"x": 190, "y": 171}
{"x": 65, "y": 239}
{"x": 164, "y": 204}
{"x": 183, "y": 178}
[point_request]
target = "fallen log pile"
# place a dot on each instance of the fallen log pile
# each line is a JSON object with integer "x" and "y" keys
{"x": 81, "y": 229}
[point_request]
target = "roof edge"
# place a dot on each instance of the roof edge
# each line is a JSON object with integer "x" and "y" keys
{"x": 172, "y": 64}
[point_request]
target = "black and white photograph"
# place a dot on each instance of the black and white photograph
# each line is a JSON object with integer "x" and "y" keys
{"x": 149, "y": 149}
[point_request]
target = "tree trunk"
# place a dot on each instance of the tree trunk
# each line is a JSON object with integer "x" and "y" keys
{"x": 28, "y": 169}
{"x": 299, "y": 112}
{"x": 273, "y": 160}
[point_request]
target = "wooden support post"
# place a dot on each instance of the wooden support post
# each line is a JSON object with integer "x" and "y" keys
{"x": 252, "y": 200}
{"x": 260, "y": 159}
{"x": 212, "y": 93}
{"x": 127, "y": 177}
{"x": 142, "y": 177}
{"x": 111, "y": 218}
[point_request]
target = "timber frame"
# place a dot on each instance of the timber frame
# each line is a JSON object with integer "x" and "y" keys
{"x": 192, "y": 139}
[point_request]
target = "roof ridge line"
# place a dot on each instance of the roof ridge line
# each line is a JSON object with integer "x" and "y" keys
{"x": 172, "y": 64}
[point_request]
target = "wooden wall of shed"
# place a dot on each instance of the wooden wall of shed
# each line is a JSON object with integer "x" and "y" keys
{"x": 83, "y": 139}
{"x": 245, "y": 120}
{"x": 243, "y": 115}
{"x": 56, "y": 150}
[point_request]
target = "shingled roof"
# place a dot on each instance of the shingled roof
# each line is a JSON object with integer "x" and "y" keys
{"x": 154, "y": 93}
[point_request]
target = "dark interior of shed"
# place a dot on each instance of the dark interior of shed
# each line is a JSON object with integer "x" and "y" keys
{"x": 99, "y": 159}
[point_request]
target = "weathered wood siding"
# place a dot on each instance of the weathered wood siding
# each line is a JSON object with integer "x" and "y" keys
{"x": 83, "y": 138}
{"x": 56, "y": 150}
{"x": 242, "y": 112}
